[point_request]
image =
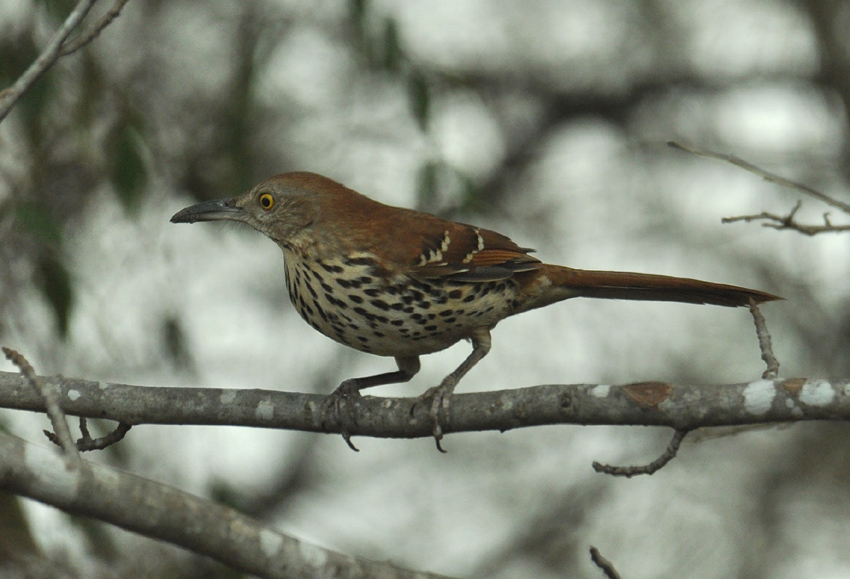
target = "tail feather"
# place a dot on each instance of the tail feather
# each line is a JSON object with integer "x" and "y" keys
{"x": 567, "y": 282}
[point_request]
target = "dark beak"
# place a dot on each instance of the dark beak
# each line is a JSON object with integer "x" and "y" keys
{"x": 218, "y": 210}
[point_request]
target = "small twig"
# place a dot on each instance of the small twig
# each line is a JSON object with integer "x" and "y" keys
{"x": 766, "y": 175}
{"x": 83, "y": 39}
{"x": 772, "y": 370}
{"x": 45, "y": 60}
{"x": 651, "y": 468}
{"x": 86, "y": 443}
{"x": 788, "y": 222}
{"x": 54, "y": 410}
{"x": 84, "y": 428}
{"x": 603, "y": 563}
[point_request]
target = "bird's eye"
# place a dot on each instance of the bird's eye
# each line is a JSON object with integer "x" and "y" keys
{"x": 266, "y": 201}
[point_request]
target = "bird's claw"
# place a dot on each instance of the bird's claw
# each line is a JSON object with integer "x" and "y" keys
{"x": 441, "y": 397}
{"x": 344, "y": 395}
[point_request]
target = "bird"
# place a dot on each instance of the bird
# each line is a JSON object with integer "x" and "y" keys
{"x": 402, "y": 283}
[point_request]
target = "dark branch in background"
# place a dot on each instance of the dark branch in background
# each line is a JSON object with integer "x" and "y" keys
{"x": 546, "y": 536}
{"x": 58, "y": 47}
{"x": 771, "y": 219}
{"x": 168, "y": 514}
{"x": 559, "y": 107}
{"x": 54, "y": 411}
{"x": 833, "y": 71}
{"x": 604, "y": 564}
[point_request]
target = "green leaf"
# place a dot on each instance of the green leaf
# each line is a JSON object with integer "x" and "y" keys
{"x": 224, "y": 493}
{"x": 174, "y": 340}
{"x": 472, "y": 196}
{"x": 55, "y": 283}
{"x": 358, "y": 11}
{"x": 16, "y": 55}
{"x": 34, "y": 218}
{"x": 128, "y": 174}
{"x": 420, "y": 99}
{"x": 426, "y": 186}
{"x": 392, "y": 46}
{"x": 58, "y": 10}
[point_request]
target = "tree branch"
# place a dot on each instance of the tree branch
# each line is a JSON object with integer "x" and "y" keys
{"x": 604, "y": 564}
{"x": 682, "y": 407}
{"x": 166, "y": 513}
{"x": 55, "y": 49}
{"x": 766, "y": 175}
{"x": 789, "y": 222}
{"x": 83, "y": 39}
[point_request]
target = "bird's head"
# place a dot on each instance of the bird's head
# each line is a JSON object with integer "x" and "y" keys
{"x": 283, "y": 208}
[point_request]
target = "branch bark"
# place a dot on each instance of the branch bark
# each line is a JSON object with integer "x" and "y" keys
{"x": 682, "y": 407}
{"x": 168, "y": 514}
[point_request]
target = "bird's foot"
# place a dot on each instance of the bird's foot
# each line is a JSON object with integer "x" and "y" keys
{"x": 339, "y": 404}
{"x": 440, "y": 397}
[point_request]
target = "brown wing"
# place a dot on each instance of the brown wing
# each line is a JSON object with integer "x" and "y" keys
{"x": 467, "y": 253}
{"x": 420, "y": 244}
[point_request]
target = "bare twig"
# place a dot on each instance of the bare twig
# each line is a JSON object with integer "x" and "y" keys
{"x": 86, "y": 443}
{"x": 603, "y": 563}
{"x": 54, "y": 410}
{"x": 83, "y": 39}
{"x": 765, "y": 346}
{"x": 651, "y": 468}
{"x": 766, "y": 175}
{"x": 51, "y": 53}
{"x": 788, "y": 222}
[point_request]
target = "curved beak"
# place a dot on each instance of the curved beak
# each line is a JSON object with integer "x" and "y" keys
{"x": 218, "y": 210}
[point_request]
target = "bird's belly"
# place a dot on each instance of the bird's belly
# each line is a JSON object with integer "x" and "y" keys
{"x": 393, "y": 317}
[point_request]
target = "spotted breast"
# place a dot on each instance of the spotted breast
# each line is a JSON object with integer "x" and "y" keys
{"x": 351, "y": 300}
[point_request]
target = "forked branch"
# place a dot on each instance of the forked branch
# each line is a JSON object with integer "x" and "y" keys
{"x": 59, "y": 46}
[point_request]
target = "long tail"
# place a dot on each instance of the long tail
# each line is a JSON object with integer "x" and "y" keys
{"x": 565, "y": 282}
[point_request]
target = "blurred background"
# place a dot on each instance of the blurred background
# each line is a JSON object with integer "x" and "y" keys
{"x": 545, "y": 120}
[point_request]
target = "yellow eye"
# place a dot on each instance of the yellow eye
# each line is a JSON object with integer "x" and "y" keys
{"x": 266, "y": 201}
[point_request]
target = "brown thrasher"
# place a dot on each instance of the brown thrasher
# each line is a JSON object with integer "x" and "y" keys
{"x": 401, "y": 283}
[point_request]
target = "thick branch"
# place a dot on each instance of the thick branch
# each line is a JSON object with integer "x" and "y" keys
{"x": 682, "y": 407}
{"x": 168, "y": 514}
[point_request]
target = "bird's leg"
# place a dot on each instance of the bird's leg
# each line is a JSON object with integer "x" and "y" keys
{"x": 350, "y": 389}
{"x": 441, "y": 395}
